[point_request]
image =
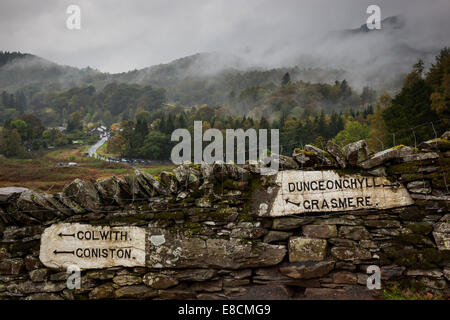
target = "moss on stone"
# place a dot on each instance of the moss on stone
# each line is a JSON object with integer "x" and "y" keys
{"x": 351, "y": 171}
{"x": 439, "y": 181}
{"x": 437, "y": 178}
{"x": 196, "y": 194}
{"x": 412, "y": 176}
{"x": 408, "y": 167}
{"x": 172, "y": 200}
{"x": 230, "y": 184}
{"x": 420, "y": 228}
{"x": 121, "y": 220}
{"x": 188, "y": 228}
{"x": 426, "y": 258}
{"x": 193, "y": 228}
{"x": 442, "y": 144}
{"x": 221, "y": 214}
{"x": 254, "y": 185}
{"x": 329, "y": 156}
{"x": 306, "y": 153}
{"x": 412, "y": 238}
{"x": 189, "y": 200}
{"x": 12, "y": 209}
{"x": 169, "y": 215}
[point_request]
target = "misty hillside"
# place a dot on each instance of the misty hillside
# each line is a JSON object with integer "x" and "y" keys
{"x": 388, "y": 25}
{"x": 203, "y": 78}
{"x": 210, "y": 78}
{"x": 375, "y": 58}
{"x": 18, "y": 70}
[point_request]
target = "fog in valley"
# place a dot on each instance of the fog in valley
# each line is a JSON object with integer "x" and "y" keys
{"x": 119, "y": 36}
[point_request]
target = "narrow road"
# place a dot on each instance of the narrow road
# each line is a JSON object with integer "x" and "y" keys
{"x": 92, "y": 152}
{"x": 93, "y": 149}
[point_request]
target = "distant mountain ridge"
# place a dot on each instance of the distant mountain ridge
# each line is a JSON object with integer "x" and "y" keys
{"x": 19, "y": 70}
{"x": 389, "y": 24}
{"x": 375, "y": 58}
{"x": 203, "y": 78}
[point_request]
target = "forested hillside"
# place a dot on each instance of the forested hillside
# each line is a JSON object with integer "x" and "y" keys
{"x": 194, "y": 80}
{"x": 304, "y": 111}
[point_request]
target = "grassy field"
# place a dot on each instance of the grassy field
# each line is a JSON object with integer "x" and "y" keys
{"x": 394, "y": 292}
{"x": 42, "y": 173}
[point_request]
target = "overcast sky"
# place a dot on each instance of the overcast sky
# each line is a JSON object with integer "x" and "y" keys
{"x": 118, "y": 35}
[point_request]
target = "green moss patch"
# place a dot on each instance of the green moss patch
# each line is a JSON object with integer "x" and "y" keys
{"x": 408, "y": 167}
{"x": 169, "y": 215}
{"x": 426, "y": 258}
{"x": 420, "y": 228}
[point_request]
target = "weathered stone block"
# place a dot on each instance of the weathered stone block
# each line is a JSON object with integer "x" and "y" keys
{"x": 345, "y": 277}
{"x": 446, "y": 273}
{"x": 386, "y": 155}
{"x": 336, "y": 152}
{"x": 354, "y": 233}
{"x": 319, "y": 231}
{"x": 350, "y": 254}
{"x": 193, "y": 274}
{"x": 433, "y": 283}
{"x": 182, "y": 252}
{"x": 127, "y": 279}
{"x": 44, "y": 296}
{"x": 306, "y": 270}
{"x": 203, "y": 202}
{"x": 10, "y": 193}
{"x": 36, "y": 287}
{"x": 433, "y": 273}
{"x": 159, "y": 281}
{"x": 441, "y": 235}
{"x": 135, "y": 292}
{"x": 11, "y": 266}
{"x": 104, "y": 291}
{"x": 324, "y": 158}
{"x": 83, "y": 193}
{"x": 355, "y": 152}
{"x": 248, "y": 230}
{"x": 38, "y": 275}
{"x": 274, "y": 236}
{"x": 306, "y": 249}
{"x": 101, "y": 274}
{"x": 208, "y": 286}
{"x": 289, "y": 223}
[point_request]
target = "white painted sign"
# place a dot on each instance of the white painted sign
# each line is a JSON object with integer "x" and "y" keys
{"x": 327, "y": 191}
{"x": 92, "y": 247}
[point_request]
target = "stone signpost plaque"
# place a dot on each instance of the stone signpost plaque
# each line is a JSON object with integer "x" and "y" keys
{"x": 328, "y": 191}
{"x": 92, "y": 247}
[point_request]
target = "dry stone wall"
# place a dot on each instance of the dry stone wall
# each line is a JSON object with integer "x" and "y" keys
{"x": 225, "y": 232}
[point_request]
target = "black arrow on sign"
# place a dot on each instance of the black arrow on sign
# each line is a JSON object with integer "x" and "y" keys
{"x": 66, "y": 235}
{"x": 64, "y": 252}
{"x": 395, "y": 185}
{"x": 295, "y": 203}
